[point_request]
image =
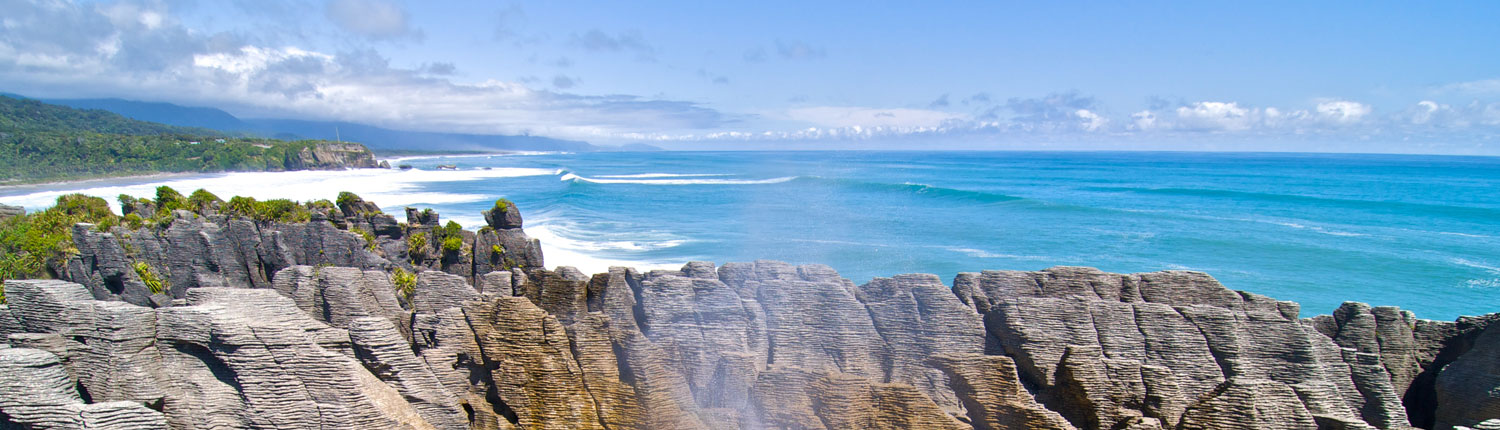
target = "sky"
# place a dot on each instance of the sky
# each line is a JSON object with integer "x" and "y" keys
{"x": 1396, "y": 77}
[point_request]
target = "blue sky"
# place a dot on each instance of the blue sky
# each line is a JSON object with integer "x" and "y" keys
{"x": 1275, "y": 76}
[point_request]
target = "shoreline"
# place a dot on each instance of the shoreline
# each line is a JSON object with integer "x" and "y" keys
{"x": 13, "y": 189}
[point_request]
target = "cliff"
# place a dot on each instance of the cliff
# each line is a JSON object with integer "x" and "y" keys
{"x": 332, "y": 156}
{"x": 275, "y": 325}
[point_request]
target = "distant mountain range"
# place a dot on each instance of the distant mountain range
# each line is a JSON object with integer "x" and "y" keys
{"x": 376, "y": 138}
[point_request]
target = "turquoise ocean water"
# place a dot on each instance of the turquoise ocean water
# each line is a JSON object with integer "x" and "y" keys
{"x": 1420, "y": 232}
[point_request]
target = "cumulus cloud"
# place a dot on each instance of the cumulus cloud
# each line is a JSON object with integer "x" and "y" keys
{"x": 1215, "y": 116}
{"x": 1232, "y": 117}
{"x": 1069, "y": 111}
{"x": 139, "y": 51}
{"x": 1428, "y": 114}
{"x": 374, "y": 19}
{"x": 1342, "y": 111}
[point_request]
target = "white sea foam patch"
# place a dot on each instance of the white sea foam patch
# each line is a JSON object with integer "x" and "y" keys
{"x": 663, "y": 175}
{"x": 560, "y": 250}
{"x": 1476, "y": 265}
{"x": 389, "y": 188}
{"x": 980, "y": 253}
{"x": 603, "y": 180}
{"x": 1470, "y": 235}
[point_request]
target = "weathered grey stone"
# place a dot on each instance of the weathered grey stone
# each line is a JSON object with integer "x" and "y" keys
{"x": 36, "y": 393}
{"x": 992, "y": 394}
{"x": 382, "y": 349}
{"x": 503, "y": 216}
{"x": 339, "y": 295}
{"x": 1468, "y": 390}
{"x": 918, "y": 317}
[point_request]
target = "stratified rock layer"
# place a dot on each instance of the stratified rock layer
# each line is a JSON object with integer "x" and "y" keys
{"x": 297, "y": 326}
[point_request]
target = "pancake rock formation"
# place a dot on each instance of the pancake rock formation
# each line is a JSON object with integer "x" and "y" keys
{"x": 302, "y": 325}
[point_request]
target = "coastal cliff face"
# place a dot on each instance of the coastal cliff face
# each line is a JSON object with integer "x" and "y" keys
{"x": 300, "y": 326}
{"x": 332, "y": 156}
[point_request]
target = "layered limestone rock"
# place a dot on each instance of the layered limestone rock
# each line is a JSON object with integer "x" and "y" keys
{"x": 299, "y": 325}
{"x": 332, "y": 156}
{"x": 1177, "y": 347}
{"x": 36, "y": 392}
{"x": 235, "y": 358}
{"x": 1468, "y": 390}
{"x": 221, "y": 251}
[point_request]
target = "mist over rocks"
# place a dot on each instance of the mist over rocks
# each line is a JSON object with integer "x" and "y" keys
{"x": 302, "y": 325}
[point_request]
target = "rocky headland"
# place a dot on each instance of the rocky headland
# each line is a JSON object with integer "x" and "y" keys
{"x": 350, "y": 321}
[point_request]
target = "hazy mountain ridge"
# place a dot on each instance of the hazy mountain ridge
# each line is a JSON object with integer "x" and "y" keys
{"x": 371, "y": 136}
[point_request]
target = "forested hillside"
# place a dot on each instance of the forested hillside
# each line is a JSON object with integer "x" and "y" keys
{"x": 43, "y": 142}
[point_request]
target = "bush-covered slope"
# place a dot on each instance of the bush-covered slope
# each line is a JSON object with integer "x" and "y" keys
{"x": 42, "y": 142}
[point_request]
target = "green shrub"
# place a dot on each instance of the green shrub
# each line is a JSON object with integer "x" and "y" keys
{"x": 282, "y": 210}
{"x": 451, "y": 229}
{"x": 133, "y": 221}
{"x": 240, "y": 206}
{"x": 347, "y": 198}
{"x": 370, "y": 242}
{"x": 497, "y": 249}
{"x": 201, "y": 200}
{"x": 29, "y": 241}
{"x": 405, "y": 282}
{"x": 453, "y": 243}
{"x": 156, "y": 284}
{"x": 323, "y": 204}
{"x": 503, "y": 205}
{"x": 90, "y": 208}
{"x": 416, "y": 244}
{"x": 162, "y": 221}
{"x": 168, "y": 199}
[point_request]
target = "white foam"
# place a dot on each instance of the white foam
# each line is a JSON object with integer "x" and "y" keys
{"x": 601, "y": 180}
{"x": 1475, "y": 264}
{"x": 664, "y": 175}
{"x": 1481, "y": 283}
{"x": 1476, "y": 236}
{"x": 979, "y": 253}
{"x": 558, "y": 250}
{"x": 387, "y": 187}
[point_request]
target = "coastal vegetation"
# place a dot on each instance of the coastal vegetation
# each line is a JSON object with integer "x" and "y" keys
{"x": 405, "y": 282}
{"x": 41, "y": 142}
{"x": 37, "y": 244}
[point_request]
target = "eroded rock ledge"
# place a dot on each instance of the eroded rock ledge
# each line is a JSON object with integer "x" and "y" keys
{"x": 256, "y": 334}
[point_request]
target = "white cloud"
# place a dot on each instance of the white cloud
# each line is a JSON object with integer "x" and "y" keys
{"x": 1343, "y": 111}
{"x": 1215, "y": 116}
{"x": 1091, "y": 120}
{"x": 1143, "y": 120}
{"x": 61, "y": 49}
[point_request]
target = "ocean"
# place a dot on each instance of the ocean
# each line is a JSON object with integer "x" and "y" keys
{"x": 1419, "y": 232}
